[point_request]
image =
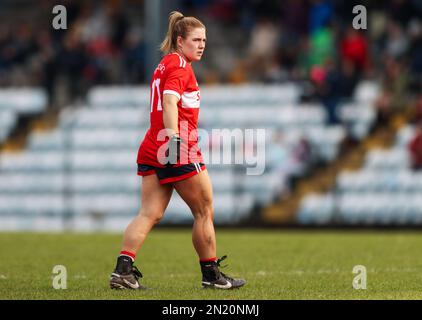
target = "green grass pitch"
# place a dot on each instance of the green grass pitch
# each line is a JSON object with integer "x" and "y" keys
{"x": 277, "y": 264}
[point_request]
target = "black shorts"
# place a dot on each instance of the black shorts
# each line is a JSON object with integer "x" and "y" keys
{"x": 171, "y": 174}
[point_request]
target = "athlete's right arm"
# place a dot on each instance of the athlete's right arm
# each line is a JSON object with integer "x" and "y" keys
{"x": 170, "y": 114}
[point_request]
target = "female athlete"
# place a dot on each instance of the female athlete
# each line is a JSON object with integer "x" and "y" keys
{"x": 168, "y": 159}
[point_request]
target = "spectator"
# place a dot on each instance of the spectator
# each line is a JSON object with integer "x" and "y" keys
{"x": 348, "y": 79}
{"x": 322, "y": 46}
{"x": 294, "y": 14}
{"x": 383, "y": 106}
{"x": 285, "y": 43}
{"x": 302, "y": 155}
{"x": 354, "y": 49}
{"x": 415, "y": 148}
{"x": 71, "y": 62}
{"x": 286, "y": 159}
{"x": 262, "y": 47}
{"x": 321, "y": 14}
{"x": 415, "y": 55}
{"x": 397, "y": 42}
{"x": 418, "y": 110}
{"x": 393, "y": 97}
{"x": 328, "y": 88}
{"x": 134, "y": 57}
{"x": 402, "y": 11}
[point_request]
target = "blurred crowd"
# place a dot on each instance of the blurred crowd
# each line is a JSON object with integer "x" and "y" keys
{"x": 101, "y": 45}
{"x": 273, "y": 41}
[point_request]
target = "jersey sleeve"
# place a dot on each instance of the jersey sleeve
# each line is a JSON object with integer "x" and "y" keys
{"x": 176, "y": 82}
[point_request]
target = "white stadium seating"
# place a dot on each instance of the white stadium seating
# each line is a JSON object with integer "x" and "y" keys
{"x": 85, "y": 169}
{"x": 384, "y": 192}
{"x": 8, "y": 120}
{"x": 18, "y": 101}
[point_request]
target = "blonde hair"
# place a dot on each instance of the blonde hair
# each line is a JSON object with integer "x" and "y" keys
{"x": 179, "y": 25}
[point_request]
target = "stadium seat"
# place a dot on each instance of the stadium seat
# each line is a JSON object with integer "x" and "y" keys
{"x": 20, "y": 183}
{"x": 366, "y": 92}
{"x": 105, "y": 203}
{"x": 100, "y": 139}
{"x": 106, "y": 118}
{"x": 404, "y": 135}
{"x": 23, "y": 100}
{"x": 88, "y": 160}
{"x": 8, "y": 120}
{"x": 17, "y": 101}
{"x": 358, "y": 117}
{"x": 117, "y": 96}
{"x": 46, "y": 141}
{"x": 249, "y": 95}
{"x": 32, "y": 161}
{"x": 105, "y": 182}
{"x": 32, "y": 205}
{"x": 32, "y": 223}
{"x": 388, "y": 159}
{"x": 316, "y": 209}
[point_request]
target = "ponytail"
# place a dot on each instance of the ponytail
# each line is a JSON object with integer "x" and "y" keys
{"x": 179, "y": 25}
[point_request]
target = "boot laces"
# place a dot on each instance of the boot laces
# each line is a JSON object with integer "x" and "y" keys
{"x": 220, "y": 260}
{"x": 220, "y": 266}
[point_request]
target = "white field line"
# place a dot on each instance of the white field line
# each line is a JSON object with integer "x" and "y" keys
{"x": 263, "y": 273}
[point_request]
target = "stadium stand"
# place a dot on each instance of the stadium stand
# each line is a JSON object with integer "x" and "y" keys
{"x": 90, "y": 157}
{"x": 322, "y": 91}
{"x": 385, "y": 191}
{"x": 85, "y": 168}
{"x": 15, "y": 102}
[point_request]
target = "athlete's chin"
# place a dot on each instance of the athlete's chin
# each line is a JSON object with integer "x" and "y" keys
{"x": 197, "y": 57}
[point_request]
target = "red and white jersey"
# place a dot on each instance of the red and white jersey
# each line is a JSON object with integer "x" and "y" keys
{"x": 173, "y": 75}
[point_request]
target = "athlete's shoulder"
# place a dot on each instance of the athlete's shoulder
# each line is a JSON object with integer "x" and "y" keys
{"x": 174, "y": 60}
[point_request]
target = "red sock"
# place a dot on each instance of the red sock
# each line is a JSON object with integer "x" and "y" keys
{"x": 208, "y": 260}
{"x": 129, "y": 254}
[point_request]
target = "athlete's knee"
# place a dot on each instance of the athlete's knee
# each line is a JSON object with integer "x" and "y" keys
{"x": 204, "y": 212}
{"x": 157, "y": 218}
{"x": 154, "y": 216}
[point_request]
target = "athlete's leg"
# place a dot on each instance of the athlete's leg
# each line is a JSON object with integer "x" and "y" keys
{"x": 196, "y": 191}
{"x": 154, "y": 200}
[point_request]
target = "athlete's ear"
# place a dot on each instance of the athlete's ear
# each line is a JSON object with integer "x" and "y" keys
{"x": 179, "y": 41}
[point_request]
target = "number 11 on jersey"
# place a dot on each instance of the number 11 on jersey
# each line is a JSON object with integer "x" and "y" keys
{"x": 156, "y": 85}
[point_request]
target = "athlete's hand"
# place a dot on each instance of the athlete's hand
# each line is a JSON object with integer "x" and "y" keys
{"x": 173, "y": 151}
